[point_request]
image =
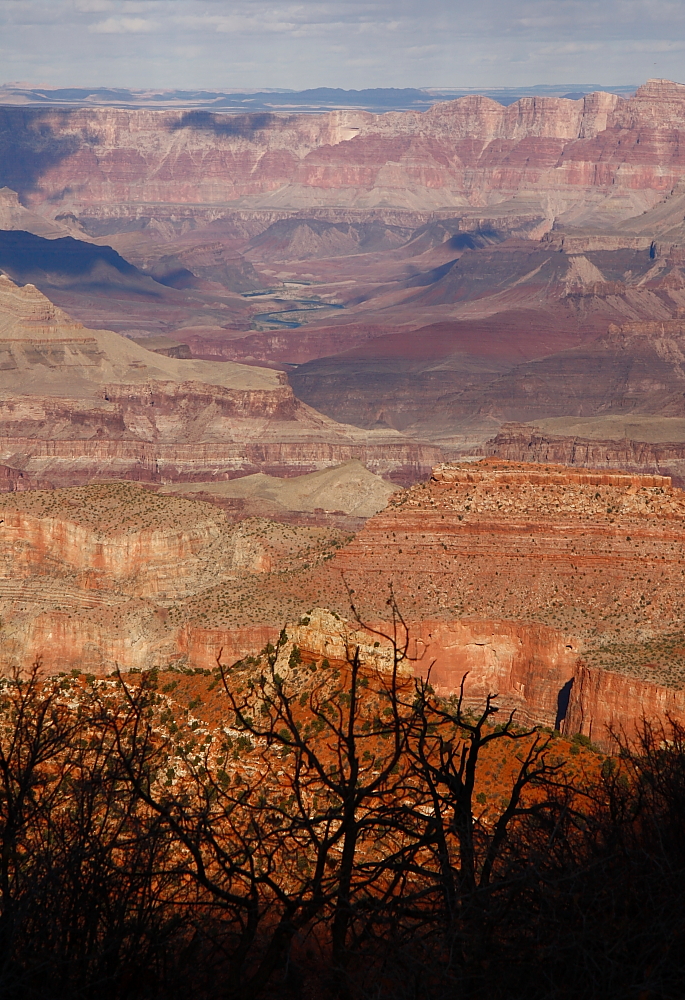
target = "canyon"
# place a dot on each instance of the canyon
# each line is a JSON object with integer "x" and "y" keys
{"x": 292, "y": 383}
{"x": 77, "y": 404}
{"x": 265, "y": 369}
{"x": 560, "y": 590}
{"x": 552, "y": 154}
{"x": 437, "y": 272}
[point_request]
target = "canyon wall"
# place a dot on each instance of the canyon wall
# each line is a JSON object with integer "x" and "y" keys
{"x": 108, "y": 164}
{"x": 534, "y": 671}
{"x": 556, "y": 588}
{"x": 537, "y": 672}
{"x": 561, "y": 591}
{"x": 114, "y": 574}
{"x": 526, "y": 666}
{"x": 603, "y": 704}
{"x": 525, "y": 443}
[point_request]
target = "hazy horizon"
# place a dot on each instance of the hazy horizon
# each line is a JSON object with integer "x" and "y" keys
{"x": 258, "y": 44}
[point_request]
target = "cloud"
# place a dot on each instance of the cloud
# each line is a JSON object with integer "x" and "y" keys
{"x": 233, "y": 24}
{"x": 123, "y": 26}
{"x": 93, "y": 6}
{"x": 252, "y": 44}
{"x": 571, "y": 48}
{"x": 654, "y": 45}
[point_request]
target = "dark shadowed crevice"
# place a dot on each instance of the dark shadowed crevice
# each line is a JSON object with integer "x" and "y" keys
{"x": 563, "y": 699}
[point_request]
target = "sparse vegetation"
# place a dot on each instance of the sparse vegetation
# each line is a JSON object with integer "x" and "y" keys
{"x": 261, "y": 831}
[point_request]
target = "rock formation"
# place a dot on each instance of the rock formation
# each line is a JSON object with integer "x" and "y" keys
{"x": 15, "y": 217}
{"x": 78, "y": 403}
{"x": 98, "y": 575}
{"x": 560, "y": 590}
{"x": 349, "y": 489}
{"x": 527, "y": 330}
{"x": 574, "y": 156}
{"x": 638, "y": 444}
{"x": 453, "y": 271}
{"x": 536, "y": 579}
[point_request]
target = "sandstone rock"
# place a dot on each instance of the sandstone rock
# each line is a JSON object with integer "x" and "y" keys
{"x": 112, "y": 573}
{"x": 523, "y": 574}
{"x": 602, "y": 703}
{"x": 641, "y": 443}
{"x": 559, "y": 590}
{"x": 559, "y": 476}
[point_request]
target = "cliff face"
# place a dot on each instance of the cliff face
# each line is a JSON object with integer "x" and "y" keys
{"x": 602, "y": 702}
{"x": 114, "y": 574}
{"x": 525, "y": 443}
{"x": 559, "y": 590}
{"x": 109, "y": 163}
{"x": 119, "y": 537}
{"x": 535, "y": 578}
{"x": 526, "y": 665}
{"x": 534, "y": 671}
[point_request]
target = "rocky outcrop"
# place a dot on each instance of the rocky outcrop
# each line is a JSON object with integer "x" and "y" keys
{"x": 115, "y": 574}
{"x": 448, "y": 475}
{"x": 525, "y": 443}
{"x": 606, "y": 706}
{"x": 534, "y": 671}
{"x": 117, "y": 537}
{"x": 523, "y": 575}
{"x": 15, "y": 217}
{"x": 69, "y": 263}
{"x": 103, "y": 162}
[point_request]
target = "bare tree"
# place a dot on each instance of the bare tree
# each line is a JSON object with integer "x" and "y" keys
{"x": 328, "y": 839}
{"x": 87, "y": 887}
{"x": 354, "y": 807}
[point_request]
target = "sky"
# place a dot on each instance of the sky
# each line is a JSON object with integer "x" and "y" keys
{"x": 234, "y": 44}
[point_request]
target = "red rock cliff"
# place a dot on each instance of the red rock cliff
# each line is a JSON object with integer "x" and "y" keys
{"x": 472, "y": 151}
{"x": 562, "y": 591}
{"x": 527, "y": 443}
{"x": 540, "y": 576}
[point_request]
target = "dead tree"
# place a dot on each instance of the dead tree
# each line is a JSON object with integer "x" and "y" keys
{"x": 85, "y": 890}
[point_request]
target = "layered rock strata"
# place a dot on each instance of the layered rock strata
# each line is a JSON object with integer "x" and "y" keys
{"x": 77, "y": 404}
{"x": 557, "y": 153}
{"x": 562, "y": 589}
{"x": 101, "y": 575}
{"x": 597, "y": 443}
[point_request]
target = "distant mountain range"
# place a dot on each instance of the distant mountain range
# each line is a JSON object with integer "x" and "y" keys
{"x": 377, "y": 99}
